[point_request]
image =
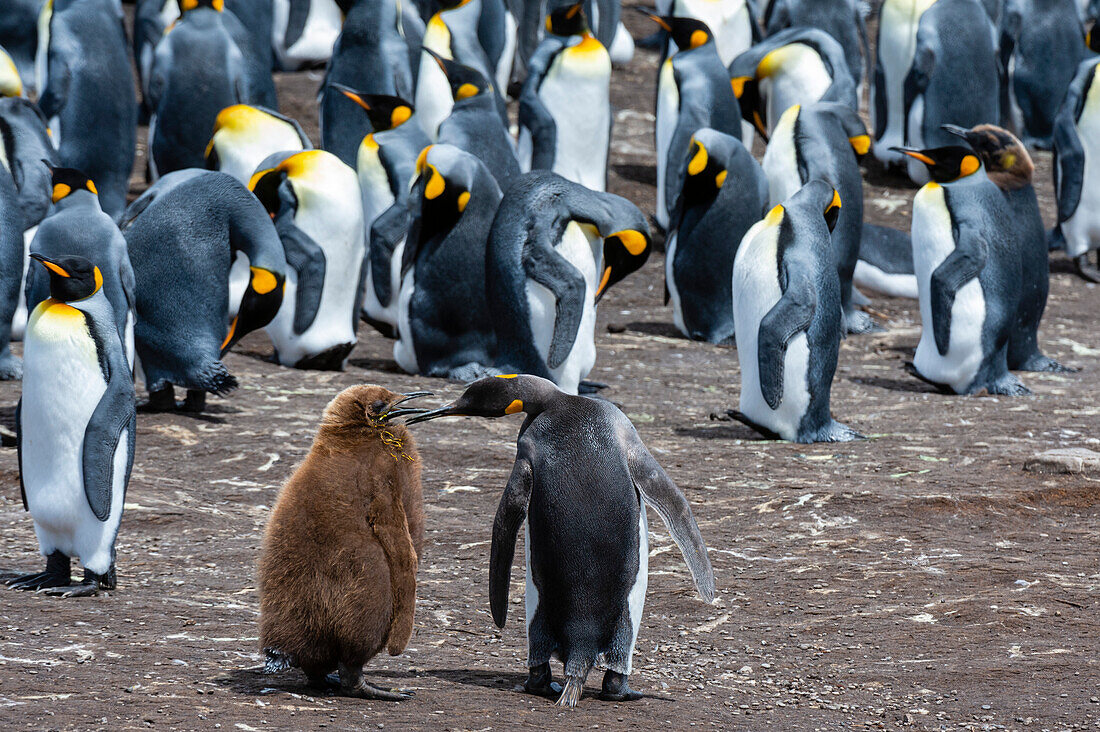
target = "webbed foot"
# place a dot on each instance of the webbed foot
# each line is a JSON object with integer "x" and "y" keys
{"x": 1041, "y": 363}
{"x": 540, "y": 682}
{"x": 616, "y": 688}
{"x": 1087, "y": 269}
{"x": 1008, "y": 385}
{"x": 58, "y": 574}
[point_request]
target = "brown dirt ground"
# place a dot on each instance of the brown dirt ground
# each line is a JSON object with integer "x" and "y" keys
{"x": 918, "y": 579}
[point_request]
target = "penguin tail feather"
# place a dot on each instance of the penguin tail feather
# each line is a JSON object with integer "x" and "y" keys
{"x": 216, "y": 379}
{"x": 276, "y": 661}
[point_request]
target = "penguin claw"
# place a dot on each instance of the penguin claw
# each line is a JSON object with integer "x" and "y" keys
{"x": 1086, "y": 269}
{"x": 84, "y": 589}
{"x": 37, "y": 582}
{"x": 1041, "y": 363}
{"x": 366, "y": 690}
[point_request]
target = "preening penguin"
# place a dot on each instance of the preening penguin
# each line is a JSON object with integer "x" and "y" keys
{"x": 244, "y": 136}
{"x": 1077, "y": 170}
{"x": 443, "y": 319}
{"x": 732, "y": 24}
{"x": 338, "y": 569}
{"x": 75, "y": 423}
{"x": 707, "y": 226}
{"x": 581, "y": 482}
{"x": 786, "y": 308}
{"x": 966, "y": 256}
{"x": 314, "y": 200}
{"x": 182, "y": 235}
{"x": 303, "y": 31}
{"x": 554, "y": 249}
{"x": 845, "y": 21}
{"x": 565, "y": 104}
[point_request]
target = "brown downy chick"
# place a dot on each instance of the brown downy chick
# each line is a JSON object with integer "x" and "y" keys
{"x": 338, "y": 569}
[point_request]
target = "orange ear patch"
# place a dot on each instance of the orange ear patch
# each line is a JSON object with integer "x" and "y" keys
{"x": 515, "y": 406}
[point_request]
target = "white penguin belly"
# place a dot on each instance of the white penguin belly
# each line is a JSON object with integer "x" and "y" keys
{"x": 576, "y": 246}
{"x": 868, "y": 276}
{"x": 576, "y": 91}
{"x": 898, "y": 23}
{"x": 404, "y": 350}
{"x": 670, "y": 282}
{"x": 373, "y": 181}
{"x": 323, "y": 23}
{"x": 1082, "y": 229}
{"x": 240, "y": 154}
{"x": 636, "y": 598}
{"x": 781, "y": 160}
{"x": 668, "y": 114}
{"x": 508, "y": 53}
{"x": 755, "y": 292}
{"x": 433, "y": 97}
{"x": 371, "y": 303}
{"x": 802, "y": 83}
{"x": 622, "y": 46}
{"x": 239, "y": 276}
{"x": 933, "y": 241}
{"x": 62, "y": 385}
{"x": 19, "y": 320}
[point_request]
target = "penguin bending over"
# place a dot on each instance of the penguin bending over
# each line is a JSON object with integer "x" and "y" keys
{"x": 244, "y": 136}
{"x": 554, "y": 249}
{"x": 314, "y": 200}
{"x": 967, "y": 260}
{"x": 885, "y": 262}
{"x": 845, "y": 21}
{"x": 1077, "y": 170}
{"x": 443, "y": 320}
{"x": 786, "y": 309}
{"x": 824, "y": 141}
{"x": 75, "y": 424}
{"x": 707, "y": 226}
{"x": 580, "y": 484}
{"x": 182, "y": 234}
{"x": 565, "y": 104}
{"x": 732, "y": 23}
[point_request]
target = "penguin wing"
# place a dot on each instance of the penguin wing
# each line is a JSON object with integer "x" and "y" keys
{"x": 961, "y": 266}
{"x": 533, "y": 114}
{"x": 663, "y": 496}
{"x": 385, "y": 234}
{"x": 19, "y": 451}
{"x": 114, "y": 413}
{"x": 308, "y": 260}
{"x": 391, "y": 527}
{"x": 916, "y": 81}
{"x": 56, "y": 92}
{"x": 511, "y": 513}
{"x": 545, "y": 266}
{"x": 1069, "y": 154}
{"x": 787, "y": 318}
{"x": 306, "y": 143}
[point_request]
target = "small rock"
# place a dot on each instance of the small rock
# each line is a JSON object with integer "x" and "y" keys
{"x": 745, "y": 670}
{"x": 1072, "y": 460}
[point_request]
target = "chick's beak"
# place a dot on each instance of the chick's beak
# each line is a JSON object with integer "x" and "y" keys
{"x": 392, "y": 412}
{"x": 448, "y": 411}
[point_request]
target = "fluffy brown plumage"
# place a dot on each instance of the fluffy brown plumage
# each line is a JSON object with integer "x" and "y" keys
{"x": 338, "y": 570}
{"x": 1006, "y": 160}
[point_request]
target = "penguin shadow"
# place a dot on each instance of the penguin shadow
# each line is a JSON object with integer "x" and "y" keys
{"x": 724, "y": 428}
{"x": 664, "y": 330}
{"x": 385, "y": 365}
{"x": 512, "y": 682}
{"x": 644, "y": 174}
{"x": 914, "y": 385}
{"x": 1062, "y": 265}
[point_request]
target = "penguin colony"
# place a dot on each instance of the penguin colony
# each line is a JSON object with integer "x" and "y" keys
{"x": 483, "y": 252}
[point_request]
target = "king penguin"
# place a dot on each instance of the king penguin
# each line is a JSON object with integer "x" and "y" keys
{"x": 824, "y": 141}
{"x": 554, "y": 249}
{"x": 443, "y": 320}
{"x": 580, "y": 486}
{"x": 303, "y": 31}
{"x": 182, "y": 234}
{"x": 244, "y": 136}
{"x": 967, "y": 261}
{"x": 11, "y": 85}
{"x": 845, "y": 21}
{"x": 725, "y": 192}
{"x": 12, "y": 256}
{"x": 87, "y": 91}
{"x": 1077, "y": 170}
{"x": 565, "y": 103}
{"x": 786, "y": 310}
{"x": 75, "y": 425}
{"x": 314, "y": 200}
{"x": 732, "y": 23}
{"x": 693, "y": 91}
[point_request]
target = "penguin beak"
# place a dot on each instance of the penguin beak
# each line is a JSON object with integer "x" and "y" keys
{"x": 57, "y": 269}
{"x": 448, "y": 411}
{"x": 915, "y": 154}
{"x": 958, "y": 132}
{"x": 393, "y": 413}
{"x": 652, "y": 15}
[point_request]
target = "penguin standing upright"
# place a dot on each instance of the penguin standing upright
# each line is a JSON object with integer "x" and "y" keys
{"x": 554, "y": 249}
{"x": 182, "y": 234}
{"x": 708, "y": 223}
{"x": 786, "y": 309}
{"x": 845, "y": 21}
{"x": 244, "y": 136}
{"x": 693, "y": 91}
{"x": 12, "y": 254}
{"x": 314, "y": 200}
{"x": 580, "y": 484}
{"x": 822, "y": 141}
{"x": 87, "y": 91}
{"x": 303, "y": 31}
{"x": 443, "y": 321}
{"x": 1077, "y": 170}
{"x": 565, "y": 104}
{"x": 967, "y": 261}
{"x": 75, "y": 423}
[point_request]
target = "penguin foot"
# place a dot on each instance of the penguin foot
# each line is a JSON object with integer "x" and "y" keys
{"x": 590, "y": 387}
{"x": 161, "y": 400}
{"x": 1008, "y": 385}
{"x": 11, "y": 368}
{"x": 194, "y": 402}
{"x": 366, "y": 690}
{"x": 616, "y": 688}
{"x": 540, "y": 682}
{"x": 1039, "y": 362}
{"x": 386, "y": 329}
{"x": 832, "y": 432}
{"x": 571, "y": 694}
{"x": 858, "y": 322}
{"x": 743, "y": 419}
{"x": 1087, "y": 269}
{"x": 84, "y": 589}
{"x": 57, "y": 574}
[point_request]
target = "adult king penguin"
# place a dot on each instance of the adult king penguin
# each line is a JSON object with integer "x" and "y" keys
{"x": 1077, "y": 170}
{"x": 244, "y": 136}
{"x": 12, "y": 255}
{"x": 845, "y": 21}
{"x": 580, "y": 486}
{"x": 304, "y": 31}
{"x": 967, "y": 261}
{"x": 76, "y": 425}
{"x": 725, "y": 192}
{"x": 786, "y": 309}
{"x": 554, "y": 249}
{"x": 565, "y": 104}
{"x": 732, "y": 23}
{"x": 314, "y": 200}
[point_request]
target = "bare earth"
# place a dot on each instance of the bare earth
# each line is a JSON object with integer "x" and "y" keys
{"x": 918, "y": 579}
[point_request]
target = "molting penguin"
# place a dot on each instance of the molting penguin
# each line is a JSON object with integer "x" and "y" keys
{"x": 580, "y": 484}
{"x": 244, "y": 136}
{"x": 338, "y": 569}
{"x": 786, "y": 308}
{"x": 822, "y": 141}
{"x": 303, "y": 31}
{"x": 967, "y": 260}
{"x": 443, "y": 319}
{"x": 565, "y": 104}
{"x": 554, "y": 249}
{"x": 182, "y": 234}
{"x": 707, "y": 226}
{"x": 845, "y": 21}
{"x": 75, "y": 423}
{"x": 314, "y": 201}
{"x": 1077, "y": 170}
{"x": 12, "y": 254}
{"x": 693, "y": 91}
{"x": 87, "y": 91}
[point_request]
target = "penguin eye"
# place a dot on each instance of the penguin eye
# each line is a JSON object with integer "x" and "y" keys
{"x": 378, "y": 406}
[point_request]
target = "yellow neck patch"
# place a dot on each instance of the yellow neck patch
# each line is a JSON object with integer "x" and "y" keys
{"x": 720, "y": 179}
{"x": 698, "y": 162}
{"x": 465, "y": 92}
{"x": 634, "y": 241}
{"x": 861, "y": 144}
{"x": 463, "y": 199}
{"x": 400, "y": 115}
{"x": 738, "y": 85}
{"x": 60, "y": 191}
{"x": 507, "y": 376}
{"x": 698, "y": 38}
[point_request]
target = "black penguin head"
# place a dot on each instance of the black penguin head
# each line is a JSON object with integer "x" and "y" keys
{"x": 259, "y": 305}
{"x": 1006, "y": 160}
{"x": 945, "y": 164}
{"x": 496, "y": 396}
{"x": 451, "y": 4}
{"x": 71, "y": 277}
{"x": 747, "y": 91}
{"x": 686, "y": 33}
{"x": 624, "y": 251}
{"x": 832, "y": 210}
{"x": 385, "y": 112}
{"x": 1092, "y": 38}
{"x": 465, "y": 81}
{"x": 567, "y": 20}
{"x": 442, "y": 195}
{"x": 705, "y": 174}
{"x": 67, "y": 181}
{"x": 267, "y": 186}
{"x": 186, "y": 5}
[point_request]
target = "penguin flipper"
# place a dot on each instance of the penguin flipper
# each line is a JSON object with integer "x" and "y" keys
{"x": 545, "y": 266}
{"x": 662, "y": 494}
{"x": 787, "y": 318}
{"x": 1069, "y": 155}
{"x": 511, "y": 513}
{"x": 114, "y": 413}
{"x": 19, "y": 451}
{"x": 53, "y": 97}
{"x": 391, "y": 527}
{"x": 916, "y": 81}
{"x": 533, "y": 114}
{"x": 308, "y": 260}
{"x": 385, "y": 234}
{"x": 961, "y": 266}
